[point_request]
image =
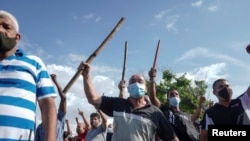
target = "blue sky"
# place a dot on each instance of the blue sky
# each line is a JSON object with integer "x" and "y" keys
{"x": 204, "y": 38}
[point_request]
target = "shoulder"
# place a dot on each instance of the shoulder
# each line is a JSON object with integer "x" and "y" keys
{"x": 164, "y": 107}
{"x": 22, "y": 53}
{"x": 107, "y": 99}
{"x": 28, "y": 58}
{"x": 211, "y": 110}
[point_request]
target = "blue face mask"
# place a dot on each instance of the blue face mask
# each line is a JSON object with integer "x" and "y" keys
{"x": 136, "y": 90}
{"x": 174, "y": 101}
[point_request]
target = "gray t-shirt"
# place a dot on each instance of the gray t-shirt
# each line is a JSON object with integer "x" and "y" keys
{"x": 97, "y": 134}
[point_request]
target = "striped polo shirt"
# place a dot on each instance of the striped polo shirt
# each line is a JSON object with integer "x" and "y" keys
{"x": 23, "y": 80}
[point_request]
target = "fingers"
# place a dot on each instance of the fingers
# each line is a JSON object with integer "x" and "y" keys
{"x": 202, "y": 99}
{"x": 52, "y": 75}
{"x": 152, "y": 73}
{"x": 122, "y": 84}
{"x": 85, "y": 68}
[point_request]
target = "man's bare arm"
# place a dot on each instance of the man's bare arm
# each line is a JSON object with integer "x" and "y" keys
{"x": 85, "y": 120}
{"x": 104, "y": 118}
{"x": 90, "y": 92}
{"x": 49, "y": 117}
{"x": 152, "y": 89}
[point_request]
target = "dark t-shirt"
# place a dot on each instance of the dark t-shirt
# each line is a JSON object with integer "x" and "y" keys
{"x": 136, "y": 124}
{"x": 221, "y": 115}
{"x": 182, "y": 124}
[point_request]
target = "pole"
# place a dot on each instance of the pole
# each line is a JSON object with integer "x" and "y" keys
{"x": 94, "y": 54}
{"x": 124, "y": 60}
{"x": 156, "y": 54}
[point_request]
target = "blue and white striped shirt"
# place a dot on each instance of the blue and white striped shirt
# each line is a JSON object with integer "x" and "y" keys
{"x": 23, "y": 80}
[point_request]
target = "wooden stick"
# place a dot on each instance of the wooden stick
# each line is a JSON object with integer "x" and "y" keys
{"x": 124, "y": 60}
{"x": 30, "y": 135}
{"x": 20, "y": 138}
{"x": 156, "y": 54}
{"x": 94, "y": 54}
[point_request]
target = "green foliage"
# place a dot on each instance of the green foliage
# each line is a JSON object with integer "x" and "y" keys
{"x": 189, "y": 90}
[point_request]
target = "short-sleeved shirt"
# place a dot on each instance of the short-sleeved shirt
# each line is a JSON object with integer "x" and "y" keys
{"x": 81, "y": 137}
{"x": 23, "y": 80}
{"x": 221, "y": 115}
{"x": 97, "y": 134}
{"x": 40, "y": 134}
{"x": 131, "y": 124}
{"x": 244, "y": 117}
{"x": 182, "y": 124}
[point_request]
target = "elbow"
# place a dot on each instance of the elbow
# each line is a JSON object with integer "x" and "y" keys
{"x": 95, "y": 101}
{"x": 91, "y": 101}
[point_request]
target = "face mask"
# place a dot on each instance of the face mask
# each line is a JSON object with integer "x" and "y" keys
{"x": 109, "y": 130}
{"x": 225, "y": 93}
{"x": 136, "y": 90}
{"x": 6, "y": 43}
{"x": 174, "y": 101}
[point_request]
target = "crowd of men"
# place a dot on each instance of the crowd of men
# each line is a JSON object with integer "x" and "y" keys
{"x": 24, "y": 81}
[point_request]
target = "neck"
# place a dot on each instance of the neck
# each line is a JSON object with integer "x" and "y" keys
{"x": 4, "y": 55}
{"x": 137, "y": 102}
{"x": 175, "y": 108}
{"x": 224, "y": 103}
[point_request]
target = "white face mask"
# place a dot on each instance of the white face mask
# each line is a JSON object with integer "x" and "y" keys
{"x": 109, "y": 130}
{"x": 136, "y": 90}
{"x": 174, "y": 101}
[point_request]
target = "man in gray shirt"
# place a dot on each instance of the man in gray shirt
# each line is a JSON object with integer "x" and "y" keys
{"x": 98, "y": 123}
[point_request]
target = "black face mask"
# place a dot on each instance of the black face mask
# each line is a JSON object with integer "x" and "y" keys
{"x": 6, "y": 43}
{"x": 225, "y": 93}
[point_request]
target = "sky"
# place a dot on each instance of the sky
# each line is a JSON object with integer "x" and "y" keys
{"x": 206, "y": 39}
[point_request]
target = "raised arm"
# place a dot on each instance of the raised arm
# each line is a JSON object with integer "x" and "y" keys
{"x": 63, "y": 101}
{"x": 122, "y": 86}
{"x": 77, "y": 121}
{"x": 68, "y": 127}
{"x": 90, "y": 92}
{"x": 87, "y": 124}
{"x": 104, "y": 118}
{"x": 198, "y": 111}
{"x": 152, "y": 89}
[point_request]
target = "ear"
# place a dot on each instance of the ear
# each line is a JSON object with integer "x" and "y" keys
{"x": 18, "y": 37}
{"x": 214, "y": 92}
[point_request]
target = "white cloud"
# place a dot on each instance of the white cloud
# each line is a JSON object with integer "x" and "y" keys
{"x": 197, "y": 3}
{"x": 97, "y": 19}
{"x": 171, "y": 23}
{"x": 89, "y": 16}
{"x": 190, "y": 54}
{"x": 59, "y": 42}
{"x": 75, "y": 95}
{"x": 160, "y": 15}
{"x": 213, "y": 8}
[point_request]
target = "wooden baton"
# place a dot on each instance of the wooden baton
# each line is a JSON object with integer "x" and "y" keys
{"x": 156, "y": 54}
{"x": 124, "y": 60}
{"x": 94, "y": 54}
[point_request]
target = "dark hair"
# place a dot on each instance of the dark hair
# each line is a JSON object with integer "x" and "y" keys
{"x": 218, "y": 80}
{"x": 169, "y": 90}
{"x": 95, "y": 115}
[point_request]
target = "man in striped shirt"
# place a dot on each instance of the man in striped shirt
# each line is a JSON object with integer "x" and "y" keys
{"x": 24, "y": 80}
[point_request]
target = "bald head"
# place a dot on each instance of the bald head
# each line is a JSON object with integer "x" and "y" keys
{"x": 137, "y": 78}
